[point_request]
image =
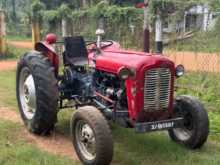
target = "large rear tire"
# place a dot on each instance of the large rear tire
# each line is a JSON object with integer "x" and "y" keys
{"x": 37, "y": 92}
{"x": 91, "y": 137}
{"x": 196, "y": 124}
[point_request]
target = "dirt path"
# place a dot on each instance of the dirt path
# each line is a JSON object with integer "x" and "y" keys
{"x": 191, "y": 60}
{"x": 21, "y": 44}
{"x": 56, "y": 143}
{"x": 7, "y": 65}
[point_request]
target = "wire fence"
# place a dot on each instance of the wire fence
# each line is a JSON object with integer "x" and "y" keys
{"x": 202, "y": 78}
{"x": 201, "y": 68}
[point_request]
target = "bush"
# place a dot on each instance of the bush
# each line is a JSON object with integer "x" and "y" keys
{"x": 201, "y": 42}
{"x": 13, "y": 53}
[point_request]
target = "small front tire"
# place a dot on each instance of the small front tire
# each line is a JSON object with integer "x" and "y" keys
{"x": 91, "y": 136}
{"x": 195, "y": 130}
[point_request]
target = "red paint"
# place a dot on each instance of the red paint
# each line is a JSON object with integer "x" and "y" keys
{"x": 50, "y": 53}
{"x": 141, "y": 5}
{"x": 111, "y": 60}
{"x": 51, "y": 38}
{"x": 104, "y": 97}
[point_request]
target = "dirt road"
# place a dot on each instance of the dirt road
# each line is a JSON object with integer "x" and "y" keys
{"x": 21, "y": 44}
{"x": 206, "y": 62}
{"x": 7, "y": 65}
{"x": 192, "y": 61}
{"x": 56, "y": 143}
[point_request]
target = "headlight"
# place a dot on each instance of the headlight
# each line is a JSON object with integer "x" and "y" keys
{"x": 180, "y": 70}
{"x": 124, "y": 73}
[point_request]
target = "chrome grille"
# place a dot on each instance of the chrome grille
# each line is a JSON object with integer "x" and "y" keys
{"x": 157, "y": 87}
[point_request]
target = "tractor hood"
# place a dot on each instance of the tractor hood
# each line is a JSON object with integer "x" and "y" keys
{"x": 111, "y": 61}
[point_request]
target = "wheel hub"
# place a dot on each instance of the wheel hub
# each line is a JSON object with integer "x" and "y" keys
{"x": 87, "y": 132}
{"x": 86, "y": 140}
{"x": 186, "y": 132}
{"x": 27, "y": 93}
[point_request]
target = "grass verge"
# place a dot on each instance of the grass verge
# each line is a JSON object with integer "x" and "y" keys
{"x": 207, "y": 42}
{"x": 130, "y": 148}
{"x": 18, "y": 38}
{"x": 15, "y": 151}
{"x": 13, "y": 53}
{"x": 204, "y": 86}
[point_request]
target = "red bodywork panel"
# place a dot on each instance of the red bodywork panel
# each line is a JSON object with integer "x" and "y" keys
{"x": 48, "y": 50}
{"x": 113, "y": 58}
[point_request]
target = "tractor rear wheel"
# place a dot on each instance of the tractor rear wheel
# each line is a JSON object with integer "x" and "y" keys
{"x": 195, "y": 130}
{"x": 91, "y": 136}
{"x": 37, "y": 92}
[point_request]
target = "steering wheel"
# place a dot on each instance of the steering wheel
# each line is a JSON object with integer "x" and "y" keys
{"x": 104, "y": 44}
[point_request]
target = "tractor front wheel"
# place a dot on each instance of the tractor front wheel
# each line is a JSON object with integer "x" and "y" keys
{"x": 37, "y": 92}
{"x": 195, "y": 130}
{"x": 91, "y": 136}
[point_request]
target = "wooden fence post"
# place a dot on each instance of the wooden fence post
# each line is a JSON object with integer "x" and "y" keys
{"x": 35, "y": 31}
{"x": 2, "y": 33}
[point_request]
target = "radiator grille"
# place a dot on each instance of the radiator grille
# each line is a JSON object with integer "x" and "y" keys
{"x": 157, "y": 86}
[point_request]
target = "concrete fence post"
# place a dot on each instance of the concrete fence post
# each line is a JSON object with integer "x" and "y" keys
{"x": 2, "y": 33}
{"x": 159, "y": 34}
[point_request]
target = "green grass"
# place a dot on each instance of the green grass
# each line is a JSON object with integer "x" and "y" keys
{"x": 153, "y": 148}
{"x": 157, "y": 149}
{"x": 7, "y": 89}
{"x": 15, "y": 151}
{"x": 13, "y": 53}
{"x": 204, "y": 86}
{"x": 207, "y": 42}
{"x": 130, "y": 148}
{"x": 18, "y": 38}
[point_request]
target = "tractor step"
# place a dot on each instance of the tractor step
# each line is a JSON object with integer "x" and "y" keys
{"x": 159, "y": 125}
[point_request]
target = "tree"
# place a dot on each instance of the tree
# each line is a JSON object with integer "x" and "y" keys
{"x": 57, "y": 3}
{"x": 14, "y": 15}
{"x": 214, "y": 5}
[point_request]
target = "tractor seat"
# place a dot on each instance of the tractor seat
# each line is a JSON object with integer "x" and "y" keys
{"x": 75, "y": 51}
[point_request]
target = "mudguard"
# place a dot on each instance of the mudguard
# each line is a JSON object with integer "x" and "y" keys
{"x": 49, "y": 51}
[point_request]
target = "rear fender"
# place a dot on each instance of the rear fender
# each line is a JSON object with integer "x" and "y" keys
{"x": 48, "y": 51}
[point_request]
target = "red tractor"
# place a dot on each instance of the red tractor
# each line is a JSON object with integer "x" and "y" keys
{"x": 104, "y": 82}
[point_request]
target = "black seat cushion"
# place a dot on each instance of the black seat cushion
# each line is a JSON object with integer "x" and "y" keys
{"x": 75, "y": 51}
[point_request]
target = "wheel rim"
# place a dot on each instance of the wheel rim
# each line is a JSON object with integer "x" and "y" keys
{"x": 27, "y": 93}
{"x": 186, "y": 132}
{"x": 86, "y": 140}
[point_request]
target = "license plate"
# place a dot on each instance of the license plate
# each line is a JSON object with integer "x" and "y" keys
{"x": 159, "y": 125}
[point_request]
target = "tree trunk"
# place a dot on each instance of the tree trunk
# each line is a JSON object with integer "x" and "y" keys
{"x": 4, "y": 4}
{"x": 2, "y": 33}
{"x": 14, "y": 14}
{"x": 84, "y": 3}
{"x": 101, "y": 23}
{"x": 146, "y": 29}
{"x": 67, "y": 27}
{"x": 64, "y": 27}
{"x": 35, "y": 31}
